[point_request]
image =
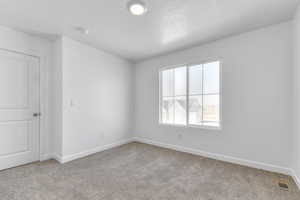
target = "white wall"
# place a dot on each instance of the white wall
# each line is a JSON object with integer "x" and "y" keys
{"x": 256, "y": 97}
{"x": 296, "y": 95}
{"x": 31, "y": 45}
{"x": 97, "y": 98}
{"x": 56, "y": 99}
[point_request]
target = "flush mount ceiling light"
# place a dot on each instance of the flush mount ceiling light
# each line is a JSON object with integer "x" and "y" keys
{"x": 137, "y": 7}
{"x": 82, "y": 30}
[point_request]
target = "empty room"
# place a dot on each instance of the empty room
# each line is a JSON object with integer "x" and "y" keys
{"x": 149, "y": 100}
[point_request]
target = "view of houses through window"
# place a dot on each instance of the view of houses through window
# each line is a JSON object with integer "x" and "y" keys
{"x": 190, "y": 95}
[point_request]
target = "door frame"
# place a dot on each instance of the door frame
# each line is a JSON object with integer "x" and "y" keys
{"x": 27, "y": 47}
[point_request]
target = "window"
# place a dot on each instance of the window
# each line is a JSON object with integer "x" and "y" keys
{"x": 190, "y": 95}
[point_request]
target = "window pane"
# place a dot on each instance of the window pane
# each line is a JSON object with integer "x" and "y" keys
{"x": 168, "y": 83}
{"x": 204, "y": 105}
{"x": 211, "y": 77}
{"x": 211, "y": 108}
{"x": 168, "y": 110}
{"x": 180, "y": 110}
{"x": 195, "y": 79}
{"x": 180, "y": 81}
{"x": 195, "y": 110}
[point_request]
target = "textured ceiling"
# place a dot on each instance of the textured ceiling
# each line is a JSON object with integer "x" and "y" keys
{"x": 168, "y": 25}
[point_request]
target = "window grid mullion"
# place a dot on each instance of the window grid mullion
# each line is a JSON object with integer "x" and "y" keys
{"x": 173, "y": 96}
{"x": 160, "y": 98}
{"x": 202, "y": 95}
{"x": 191, "y": 95}
{"x": 187, "y": 94}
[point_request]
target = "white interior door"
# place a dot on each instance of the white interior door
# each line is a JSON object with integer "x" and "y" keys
{"x": 19, "y": 101}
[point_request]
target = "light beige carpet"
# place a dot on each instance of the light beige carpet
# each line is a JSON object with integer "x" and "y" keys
{"x": 136, "y": 172}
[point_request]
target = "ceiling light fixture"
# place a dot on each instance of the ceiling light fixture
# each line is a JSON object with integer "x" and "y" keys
{"x": 82, "y": 30}
{"x": 137, "y": 7}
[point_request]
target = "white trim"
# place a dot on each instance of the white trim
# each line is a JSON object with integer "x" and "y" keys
{"x": 188, "y": 65}
{"x": 296, "y": 178}
{"x": 57, "y": 157}
{"x": 82, "y": 154}
{"x": 239, "y": 161}
{"x": 43, "y": 90}
{"x": 216, "y": 128}
{"x": 225, "y": 158}
{"x": 19, "y": 42}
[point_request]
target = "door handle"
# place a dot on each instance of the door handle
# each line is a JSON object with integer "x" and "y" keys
{"x": 37, "y": 114}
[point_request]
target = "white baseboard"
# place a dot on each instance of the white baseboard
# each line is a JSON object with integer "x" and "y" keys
{"x": 75, "y": 156}
{"x": 296, "y": 178}
{"x": 56, "y": 157}
{"x": 239, "y": 161}
{"x": 50, "y": 156}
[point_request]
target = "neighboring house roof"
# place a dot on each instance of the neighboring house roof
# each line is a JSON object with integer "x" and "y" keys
{"x": 194, "y": 105}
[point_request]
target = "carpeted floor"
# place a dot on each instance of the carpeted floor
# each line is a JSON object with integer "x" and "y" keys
{"x": 136, "y": 172}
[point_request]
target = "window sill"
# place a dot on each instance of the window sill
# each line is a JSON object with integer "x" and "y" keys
{"x": 192, "y": 126}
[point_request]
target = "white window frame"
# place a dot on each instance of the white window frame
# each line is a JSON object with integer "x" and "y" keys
{"x": 188, "y": 65}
